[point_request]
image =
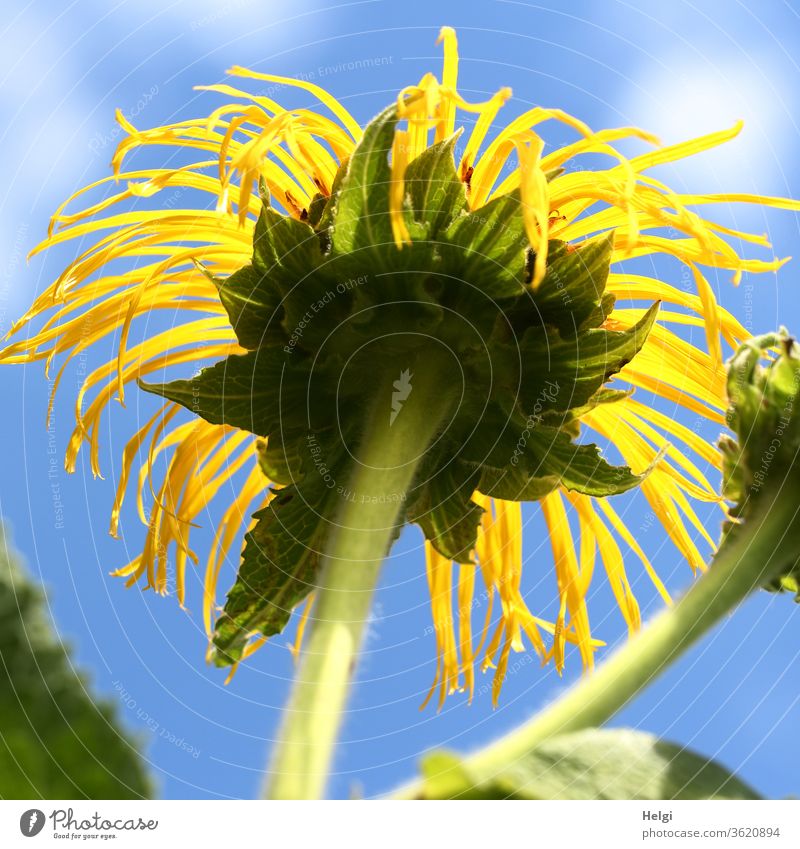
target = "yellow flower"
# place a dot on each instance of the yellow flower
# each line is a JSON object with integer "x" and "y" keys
{"x": 158, "y": 260}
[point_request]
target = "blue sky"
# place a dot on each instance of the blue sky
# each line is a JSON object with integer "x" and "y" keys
{"x": 679, "y": 69}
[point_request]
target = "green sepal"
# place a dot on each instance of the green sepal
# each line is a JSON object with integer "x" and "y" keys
{"x": 253, "y": 306}
{"x": 531, "y": 460}
{"x": 361, "y": 223}
{"x": 443, "y": 507}
{"x": 582, "y": 468}
{"x": 281, "y": 458}
{"x": 435, "y": 192}
{"x": 577, "y": 363}
{"x": 316, "y": 210}
{"x": 249, "y": 391}
{"x": 787, "y": 583}
{"x": 489, "y": 245}
{"x": 286, "y": 256}
{"x": 326, "y": 219}
{"x": 279, "y": 566}
{"x": 516, "y": 484}
{"x": 573, "y": 291}
{"x": 285, "y": 250}
{"x": 570, "y": 420}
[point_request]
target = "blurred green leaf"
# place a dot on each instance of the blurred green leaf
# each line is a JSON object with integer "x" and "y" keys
{"x": 57, "y": 741}
{"x": 591, "y": 764}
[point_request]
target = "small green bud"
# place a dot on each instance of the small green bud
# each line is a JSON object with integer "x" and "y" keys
{"x": 764, "y": 413}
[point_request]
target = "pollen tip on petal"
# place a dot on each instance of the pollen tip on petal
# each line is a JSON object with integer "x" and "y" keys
{"x": 537, "y": 278}
{"x": 124, "y": 122}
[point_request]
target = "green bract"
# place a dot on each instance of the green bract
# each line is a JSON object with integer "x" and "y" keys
{"x": 334, "y": 317}
{"x": 761, "y": 464}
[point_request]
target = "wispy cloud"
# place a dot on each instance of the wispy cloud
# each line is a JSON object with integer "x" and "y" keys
{"x": 690, "y": 100}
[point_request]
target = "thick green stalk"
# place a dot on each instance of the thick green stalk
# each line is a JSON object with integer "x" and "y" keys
{"x": 368, "y": 521}
{"x": 756, "y": 552}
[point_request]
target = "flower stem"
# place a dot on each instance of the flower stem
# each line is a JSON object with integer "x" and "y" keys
{"x": 368, "y": 520}
{"x": 752, "y": 554}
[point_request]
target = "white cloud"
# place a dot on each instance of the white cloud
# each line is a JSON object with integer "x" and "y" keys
{"x": 213, "y": 21}
{"x": 692, "y": 100}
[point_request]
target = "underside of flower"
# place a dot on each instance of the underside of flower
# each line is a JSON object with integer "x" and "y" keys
{"x": 335, "y": 316}
{"x": 343, "y": 264}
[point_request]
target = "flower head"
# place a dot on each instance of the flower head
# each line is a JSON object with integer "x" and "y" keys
{"x": 506, "y": 252}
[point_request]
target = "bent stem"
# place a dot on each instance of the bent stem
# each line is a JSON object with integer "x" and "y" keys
{"x": 368, "y": 520}
{"x": 754, "y": 553}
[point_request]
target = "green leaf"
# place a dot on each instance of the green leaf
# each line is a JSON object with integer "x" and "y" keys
{"x": 436, "y": 193}
{"x": 591, "y": 764}
{"x": 279, "y": 565}
{"x": 361, "y": 223}
{"x": 444, "y": 509}
{"x": 59, "y": 740}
